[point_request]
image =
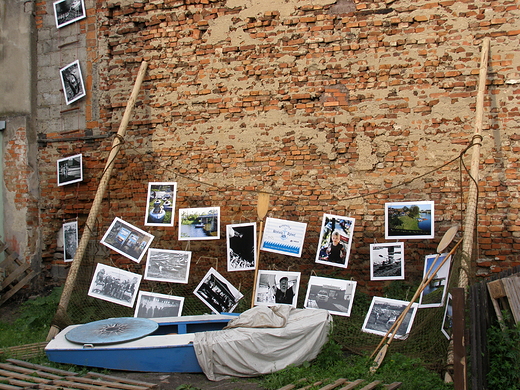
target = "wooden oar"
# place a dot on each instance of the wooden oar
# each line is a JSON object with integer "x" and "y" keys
{"x": 261, "y": 209}
{"x": 96, "y": 205}
{"x": 428, "y": 277}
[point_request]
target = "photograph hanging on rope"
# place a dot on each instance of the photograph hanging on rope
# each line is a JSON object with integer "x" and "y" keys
{"x": 382, "y": 314}
{"x": 447, "y": 321}
{"x": 199, "y": 223}
{"x": 334, "y": 295}
{"x": 387, "y": 261}
{"x": 165, "y": 265}
{"x": 127, "y": 239}
{"x": 70, "y": 240}
{"x": 277, "y": 287}
{"x": 409, "y": 220}
{"x": 434, "y": 293}
{"x": 114, "y": 285}
{"x": 70, "y": 169}
{"x": 335, "y": 240}
{"x": 160, "y": 204}
{"x": 68, "y": 11}
{"x": 241, "y": 247}
{"x": 154, "y": 305}
{"x": 217, "y": 293}
{"x": 283, "y": 237}
{"x": 72, "y": 82}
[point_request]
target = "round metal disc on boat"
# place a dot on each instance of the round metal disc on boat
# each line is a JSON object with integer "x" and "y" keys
{"x": 112, "y": 330}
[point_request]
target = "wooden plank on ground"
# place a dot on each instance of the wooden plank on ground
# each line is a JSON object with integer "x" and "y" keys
{"x": 337, "y": 383}
{"x": 352, "y": 385}
{"x": 371, "y": 385}
{"x": 39, "y": 367}
{"x": 106, "y": 384}
{"x": 120, "y": 380}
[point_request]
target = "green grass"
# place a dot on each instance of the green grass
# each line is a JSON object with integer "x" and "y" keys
{"x": 32, "y": 322}
{"x": 331, "y": 364}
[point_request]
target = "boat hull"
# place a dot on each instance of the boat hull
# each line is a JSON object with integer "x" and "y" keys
{"x": 169, "y": 349}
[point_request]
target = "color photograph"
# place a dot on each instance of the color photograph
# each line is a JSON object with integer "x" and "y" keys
{"x": 70, "y": 169}
{"x": 277, "y": 288}
{"x": 409, "y": 220}
{"x": 283, "y": 237}
{"x": 114, "y": 285}
{"x": 154, "y": 305}
{"x": 241, "y": 247}
{"x": 387, "y": 261}
{"x": 164, "y": 265}
{"x": 72, "y": 82}
{"x": 127, "y": 239}
{"x": 334, "y": 295}
{"x": 335, "y": 240}
{"x": 217, "y": 293}
{"x": 160, "y": 204}
{"x": 200, "y": 223}
{"x": 435, "y": 292}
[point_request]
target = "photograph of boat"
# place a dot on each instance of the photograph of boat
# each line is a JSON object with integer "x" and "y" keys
{"x": 199, "y": 223}
{"x": 160, "y": 204}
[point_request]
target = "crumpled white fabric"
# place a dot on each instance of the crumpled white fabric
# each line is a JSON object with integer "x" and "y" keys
{"x": 262, "y": 340}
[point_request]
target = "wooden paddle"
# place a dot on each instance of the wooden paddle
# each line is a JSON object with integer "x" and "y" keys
{"x": 428, "y": 277}
{"x": 261, "y": 209}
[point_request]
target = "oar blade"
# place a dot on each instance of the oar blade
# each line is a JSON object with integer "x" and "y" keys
{"x": 263, "y": 204}
{"x": 447, "y": 238}
{"x": 379, "y": 358}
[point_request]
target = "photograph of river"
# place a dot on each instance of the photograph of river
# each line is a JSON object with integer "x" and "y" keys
{"x": 409, "y": 220}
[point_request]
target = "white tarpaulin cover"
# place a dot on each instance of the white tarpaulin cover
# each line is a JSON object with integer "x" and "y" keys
{"x": 262, "y": 340}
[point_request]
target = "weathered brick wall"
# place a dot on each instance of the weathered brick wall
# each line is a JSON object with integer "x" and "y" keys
{"x": 322, "y": 103}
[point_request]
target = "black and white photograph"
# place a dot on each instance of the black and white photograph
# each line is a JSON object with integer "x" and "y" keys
{"x": 241, "y": 247}
{"x": 70, "y": 169}
{"x": 160, "y": 204}
{"x": 127, "y": 239}
{"x": 387, "y": 261}
{"x": 154, "y": 305}
{"x": 165, "y": 265}
{"x": 277, "y": 288}
{"x": 334, "y": 295}
{"x": 68, "y": 11}
{"x": 114, "y": 285}
{"x": 217, "y": 293}
{"x": 199, "y": 223}
{"x": 72, "y": 82}
{"x": 447, "y": 321}
{"x": 70, "y": 240}
{"x": 335, "y": 240}
{"x": 434, "y": 293}
{"x": 409, "y": 220}
{"x": 382, "y": 314}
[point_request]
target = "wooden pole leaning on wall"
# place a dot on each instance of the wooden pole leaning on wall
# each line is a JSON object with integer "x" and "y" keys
{"x": 471, "y": 209}
{"x": 261, "y": 209}
{"x": 61, "y": 313}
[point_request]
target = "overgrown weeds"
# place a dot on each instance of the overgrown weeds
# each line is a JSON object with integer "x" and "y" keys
{"x": 504, "y": 355}
{"x": 332, "y": 364}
